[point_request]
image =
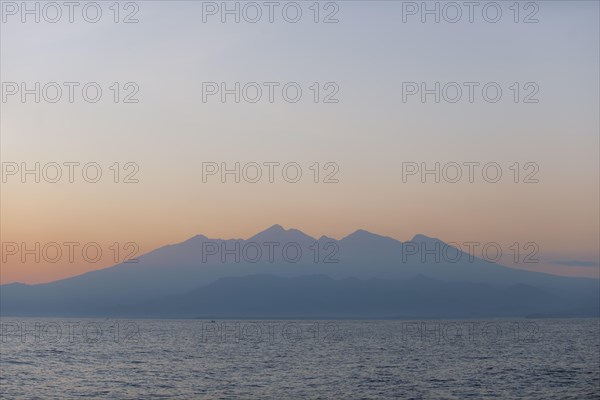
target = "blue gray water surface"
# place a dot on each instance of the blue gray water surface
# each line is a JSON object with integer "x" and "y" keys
{"x": 188, "y": 359}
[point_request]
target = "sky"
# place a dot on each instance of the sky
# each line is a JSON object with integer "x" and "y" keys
{"x": 364, "y": 138}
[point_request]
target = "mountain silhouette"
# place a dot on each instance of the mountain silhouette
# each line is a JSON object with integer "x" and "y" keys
{"x": 318, "y": 296}
{"x": 198, "y": 263}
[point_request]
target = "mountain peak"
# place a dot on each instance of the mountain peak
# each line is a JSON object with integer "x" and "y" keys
{"x": 275, "y": 228}
{"x": 363, "y": 234}
{"x": 325, "y": 238}
{"x": 279, "y": 233}
{"x": 431, "y": 242}
{"x": 423, "y": 238}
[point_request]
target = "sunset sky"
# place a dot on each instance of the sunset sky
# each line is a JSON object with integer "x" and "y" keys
{"x": 368, "y": 134}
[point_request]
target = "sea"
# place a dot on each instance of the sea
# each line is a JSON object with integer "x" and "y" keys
{"x": 76, "y": 358}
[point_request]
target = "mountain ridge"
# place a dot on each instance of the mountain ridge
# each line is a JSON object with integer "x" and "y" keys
{"x": 179, "y": 268}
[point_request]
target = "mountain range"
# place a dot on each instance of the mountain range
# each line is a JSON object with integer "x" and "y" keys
{"x": 281, "y": 273}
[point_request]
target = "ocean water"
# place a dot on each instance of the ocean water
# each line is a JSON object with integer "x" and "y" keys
{"x": 189, "y": 359}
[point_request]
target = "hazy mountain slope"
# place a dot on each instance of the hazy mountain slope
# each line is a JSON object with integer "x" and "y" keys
{"x": 176, "y": 269}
